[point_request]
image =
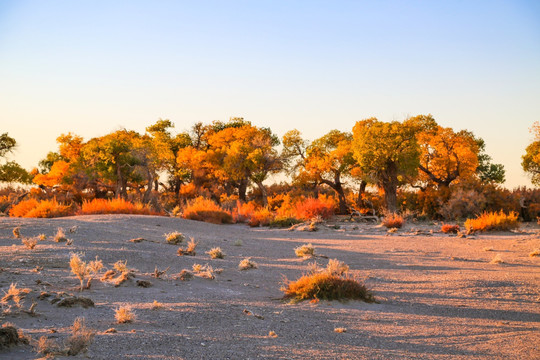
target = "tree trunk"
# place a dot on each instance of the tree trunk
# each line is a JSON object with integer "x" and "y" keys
{"x": 150, "y": 184}
{"x": 242, "y": 188}
{"x": 361, "y": 191}
{"x": 264, "y": 193}
{"x": 389, "y": 184}
{"x": 119, "y": 181}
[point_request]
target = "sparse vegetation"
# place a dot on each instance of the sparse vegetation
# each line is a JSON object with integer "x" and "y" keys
{"x": 393, "y": 221}
{"x": 216, "y": 253}
{"x": 535, "y": 252}
{"x": 246, "y": 264}
{"x": 206, "y": 210}
{"x": 80, "y": 338}
{"x": 156, "y": 305}
{"x": 174, "y": 238}
{"x": 340, "y": 330}
{"x": 30, "y": 243}
{"x": 190, "y": 249}
{"x": 325, "y": 286}
{"x": 205, "y": 271}
{"x": 306, "y": 250}
{"x": 115, "y": 206}
{"x": 14, "y": 295}
{"x": 450, "y": 228}
{"x": 42, "y": 237}
{"x": 83, "y": 270}
{"x": 124, "y": 314}
{"x": 493, "y": 221}
{"x": 60, "y": 235}
{"x": 336, "y": 267}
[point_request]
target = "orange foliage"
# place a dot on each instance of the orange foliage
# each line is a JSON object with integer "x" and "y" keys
{"x": 261, "y": 217}
{"x": 206, "y": 210}
{"x": 493, "y": 221}
{"x": 323, "y": 206}
{"x": 393, "y": 220}
{"x": 43, "y": 209}
{"x": 448, "y": 228}
{"x": 54, "y": 177}
{"x": 325, "y": 286}
{"x": 244, "y": 211}
{"x": 115, "y": 206}
{"x": 23, "y": 207}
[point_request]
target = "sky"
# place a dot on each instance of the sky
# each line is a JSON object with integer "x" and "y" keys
{"x": 93, "y": 67}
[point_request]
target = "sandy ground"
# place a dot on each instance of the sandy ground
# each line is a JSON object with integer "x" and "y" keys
{"x": 439, "y": 297}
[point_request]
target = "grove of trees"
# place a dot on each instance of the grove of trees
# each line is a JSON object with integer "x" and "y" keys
{"x": 414, "y": 165}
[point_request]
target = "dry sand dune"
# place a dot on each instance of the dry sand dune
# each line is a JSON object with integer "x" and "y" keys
{"x": 439, "y": 297}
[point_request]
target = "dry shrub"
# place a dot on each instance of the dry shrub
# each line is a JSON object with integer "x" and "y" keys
{"x": 205, "y": 271}
{"x": 83, "y": 270}
{"x": 124, "y": 314}
{"x": 17, "y": 232}
{"x": 23, "y": 207}
{"x": 157, "y": 305}
{"x": 202, "y": 209}
{"x": 261, "y": 217}
{"x": 535, "y": 252}
{"x": 273, "y": 334}
{"x": 340, "y": 330}
{"x": 393, "y": 221}
{"x": 10, "y": 336}
{"x": 174, "y": 238}
{"x": 184, "y": 275}
{"x": 306, "y": 250}
{"x": 450, "y": 229}
{"x": 190, "y": 249}
{"x": 60, "y": 235}
{"x": 463, "y": 203}
{"x": 121, "y": 266}
{"x": 325, "y": 286}
{"x": 497, "y": 260}
{"x": 47, "y": 347}
{"x": 15, "y": 295}
{"x": 216, "y": 253}
{"x": 336, "y": 267}
{"x": 246, "y": 264}
{"x": 323, "y": 206}
{"x": 116, "y": 206}
{"x": 42, "y": 237}
{"x": 30, "y": 243}
{"x": 80, "y": 338}
{"x": 493, "y": 221}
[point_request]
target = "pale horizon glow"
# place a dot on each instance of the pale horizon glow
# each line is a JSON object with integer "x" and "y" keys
{"x": 92, "y": 67}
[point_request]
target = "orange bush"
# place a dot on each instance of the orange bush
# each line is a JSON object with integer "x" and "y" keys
{"x": 323, "y": 206}
{"x": 261, "y": 217}
{"x": 493, "y": 221}
{"x": 32, "y": 208}
{"x": 244, "y": 211}
{"x": 449, "y": 228}
{"x": 393, "y": 220}
{"x": 23, "y": 207}
{"x": 206, "y": 210}
{"x": 326, "y": 286}
{"x": 115, "y": 206}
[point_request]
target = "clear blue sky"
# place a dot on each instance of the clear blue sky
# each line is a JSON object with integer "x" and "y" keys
{"x": 92, "y": 67}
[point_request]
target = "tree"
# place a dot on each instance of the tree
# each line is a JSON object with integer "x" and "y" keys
{"x": 388, "y": 152}
{"x": 11, "y": 171}
{"x": 327, "y": 160}
{"x": 531, "y": 160}
{"x": 486, "y": 171}
{"x": 447, "y": 155}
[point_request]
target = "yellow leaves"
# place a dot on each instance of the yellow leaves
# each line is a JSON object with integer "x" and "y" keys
{"x": 58, "y": 171}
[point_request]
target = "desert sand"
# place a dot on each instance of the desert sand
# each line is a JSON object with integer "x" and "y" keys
{"x": 439, "y": 296}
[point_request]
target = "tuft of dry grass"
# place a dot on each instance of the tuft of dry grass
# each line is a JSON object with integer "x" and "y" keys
{"x": 42, "y": 237}
{"x": 83, "y": 270}
{"x": 205, "y": 271}
{"x": 184, "y": 275}
{"x": 174, "y": 238}
{"x": 14, "y": 294}
{"x": 190, "y": 249}
{"x": 124, "y": 314}
{"x": 47, "y": 347}
{"x": 17, "y": 232}
{"x": 340, "y": 330}
{"x": 324, "y": 286}
{"x": 450, "y": 229}
{"x": 246, "y": 264}
{"x": 336, "y": 267}
{"x": 157, "y": 305}
{"x": 535, "y": 252}
{"x": 158, "y": 273}
{"x": 216, "y": 253}
{"x": 30, "y": 243}
{"x": 272, "y": 334}
{"x": 497, "y": 260}
{"x": 393, "y": 221}
{"x": 121, "y": 266}
{"x": 80, "y": 338}
{"x": 306, "y": 250}
{"x": 60, "y": 235}
{"x": 493, "y": 221}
